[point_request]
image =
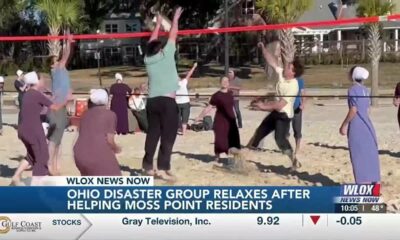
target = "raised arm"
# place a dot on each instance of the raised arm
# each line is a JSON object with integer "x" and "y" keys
{"x": 205, "y": 112}
{"x": 190, "y": 73}
{"x": 173, "y": 34}
{"x": 154, "y": 34}
{"x": 269, "y": 58}
{"x": 66, "y": 51}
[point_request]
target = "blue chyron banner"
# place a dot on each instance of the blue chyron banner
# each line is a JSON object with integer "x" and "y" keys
{"x": 168, "y": 199}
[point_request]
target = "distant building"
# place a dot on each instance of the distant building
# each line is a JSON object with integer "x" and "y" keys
{"x": 115, "y": 51}
{"x": 331, "y": 10}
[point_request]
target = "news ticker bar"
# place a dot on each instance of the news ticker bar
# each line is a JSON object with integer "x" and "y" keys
{"x": 198, "y": 226}
{"x": 189, "y": 200}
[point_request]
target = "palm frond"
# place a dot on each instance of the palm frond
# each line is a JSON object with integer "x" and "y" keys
{"x": 283, "y": 11}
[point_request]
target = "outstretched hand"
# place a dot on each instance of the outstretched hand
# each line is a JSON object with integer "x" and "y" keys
{"x": 343, "y": 130}
{"x": 117, "y": 149}
{"x": 257, "y": 105}
{"x": 260, "y": 45}
{"x": 178, "y": 13}
{"x": 396, "y": 102}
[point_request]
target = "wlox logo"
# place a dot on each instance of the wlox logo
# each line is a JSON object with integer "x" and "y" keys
{"x": 361, "y": 190}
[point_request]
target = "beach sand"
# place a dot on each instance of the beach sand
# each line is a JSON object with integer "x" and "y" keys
{"x": 324, "y": 155}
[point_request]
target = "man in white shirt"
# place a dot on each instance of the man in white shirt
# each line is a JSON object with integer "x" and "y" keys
{"x": 281, "y": 109}
{"x": 183, "y": 100}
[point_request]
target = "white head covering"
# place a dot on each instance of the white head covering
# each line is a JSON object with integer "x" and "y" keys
{"x": 19, "y": 72}
{"x": 1, "y": 79}
{"x": 31, "y": 78}
{"x": 118, "y": 76}
{"x": 360, "y": 73}
{"x": 99, "y": 96}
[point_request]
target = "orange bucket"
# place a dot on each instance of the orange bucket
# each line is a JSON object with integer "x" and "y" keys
{"x": 81, "y": 105}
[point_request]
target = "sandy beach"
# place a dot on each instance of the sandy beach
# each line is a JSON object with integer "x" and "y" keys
{"x": 324, "y": 155}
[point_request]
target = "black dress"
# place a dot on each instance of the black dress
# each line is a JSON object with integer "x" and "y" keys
{"x": 226, "y": 132}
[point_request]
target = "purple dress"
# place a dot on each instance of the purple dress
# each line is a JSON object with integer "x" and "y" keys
{"x": 93, "y": 154}
{"x": 31, "y": 133}
{"x": 226, "y": 132}
{"x": 363, "y": 144}
{"x": 119, "y": 105}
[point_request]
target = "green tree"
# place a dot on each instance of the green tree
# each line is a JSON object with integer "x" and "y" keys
{"x": 284, "y": 11}
{"x": 60, "y": 16}
{"x": 369, "y": 8}
{"x": 95, "y": 11}
{"x": 9, "y": 12}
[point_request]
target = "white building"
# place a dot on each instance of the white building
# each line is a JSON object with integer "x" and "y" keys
{"x": 330, "y": 10}
{"x": 117, "y": 51}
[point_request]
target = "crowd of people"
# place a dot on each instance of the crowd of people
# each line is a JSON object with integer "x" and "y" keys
{"x": 162, "y": 111}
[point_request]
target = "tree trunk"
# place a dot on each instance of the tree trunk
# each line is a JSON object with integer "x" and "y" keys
{"x": 54, "y": 45}
{"x": 374, "y": 53}
{"x": 287, "y": 40}
{"x": 375, "y": 83}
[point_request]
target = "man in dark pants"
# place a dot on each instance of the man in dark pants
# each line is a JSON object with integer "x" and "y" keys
{"x": 234, "y": 86}
{"x": 281, "y": 109}
{"x": 299, "y": 104}
{"x": 162, "y": 110}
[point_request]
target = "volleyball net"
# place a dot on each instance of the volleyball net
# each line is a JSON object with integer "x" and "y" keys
{"x": 328, "y": 49}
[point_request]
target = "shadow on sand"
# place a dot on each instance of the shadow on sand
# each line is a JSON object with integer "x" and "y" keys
{"x": 18, "y": 158}
{"x": 305, "y": 176}
{"x": 206, "y": 158}
{"x": 381, "y": 152}
{"x": 132, "y": 172}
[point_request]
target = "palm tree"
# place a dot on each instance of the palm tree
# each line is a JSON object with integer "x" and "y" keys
{"x": 284, "y": 11}
{"x": 369, "y": 8}
{"x": 60, "y": 16}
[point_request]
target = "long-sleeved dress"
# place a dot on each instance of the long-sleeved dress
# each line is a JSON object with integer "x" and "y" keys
{"x": 226, "y": 132}
{"x": 363, "y": 144}
{"x": 92, "y": 152}
{"x": 119, "y": 105}
{"x": 31, "y": 133}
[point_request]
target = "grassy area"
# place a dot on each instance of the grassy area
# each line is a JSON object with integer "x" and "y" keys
{"x": 321, "y": 76}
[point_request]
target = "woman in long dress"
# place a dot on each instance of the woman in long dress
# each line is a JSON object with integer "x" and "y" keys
{"x": 120, "y": 92}
{"x": 363, "y": 145}
{"x": 30, "y": 131}
{"x": 226, "y": 132}
{"x": 95, "y": 149}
